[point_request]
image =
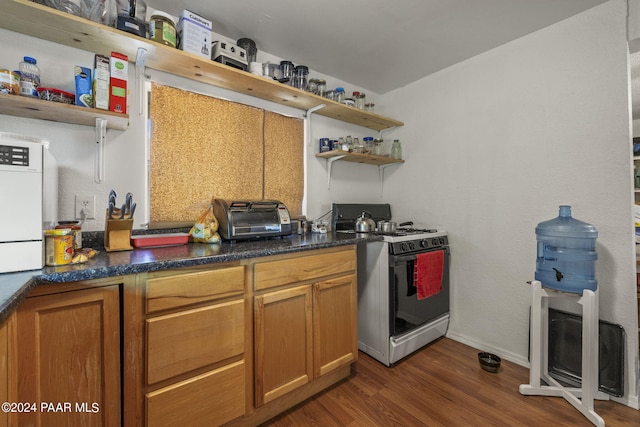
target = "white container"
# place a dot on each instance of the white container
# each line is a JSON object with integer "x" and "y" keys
{"x": 30, "y": 201}
{"x": 194, "y": 34}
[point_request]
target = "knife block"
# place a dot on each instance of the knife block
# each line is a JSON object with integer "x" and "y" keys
{"x": 117, "y": 234}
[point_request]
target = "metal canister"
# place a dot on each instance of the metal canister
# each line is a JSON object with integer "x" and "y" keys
{"x": 58, "y": 247}
{"x": 325, "y": 145}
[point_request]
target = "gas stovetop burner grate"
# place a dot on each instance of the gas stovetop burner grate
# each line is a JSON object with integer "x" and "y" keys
{"x": 406, "y": 231}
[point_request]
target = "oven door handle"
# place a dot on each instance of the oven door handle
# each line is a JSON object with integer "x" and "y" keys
{"x": 403, "y": 258}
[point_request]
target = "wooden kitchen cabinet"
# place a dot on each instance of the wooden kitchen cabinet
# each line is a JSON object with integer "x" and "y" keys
{"x": 283, "y": 342}
{"x": 68, "y": 339}
{"x": 7, "y": 368}
{"x": 335, "y": 337}
{"x": 187, "y": 341}
{"x": 306, "y": 327}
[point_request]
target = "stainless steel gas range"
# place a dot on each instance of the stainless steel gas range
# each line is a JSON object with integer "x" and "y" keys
{"x": 394, "y": 318}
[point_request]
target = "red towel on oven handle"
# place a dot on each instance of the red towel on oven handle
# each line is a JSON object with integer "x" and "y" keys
{"x": 427, "y": 273}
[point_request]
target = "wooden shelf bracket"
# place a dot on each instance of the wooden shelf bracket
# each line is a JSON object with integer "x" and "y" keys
{"x": 329, "y": 166}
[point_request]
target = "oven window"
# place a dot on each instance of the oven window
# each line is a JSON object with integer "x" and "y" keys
{"x": 409, "y": 313}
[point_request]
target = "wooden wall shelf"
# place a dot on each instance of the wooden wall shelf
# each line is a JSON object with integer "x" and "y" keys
{"x": 27, "y": 17}
{"x": 34, "y": 108}
{"x": 369, "y": 159}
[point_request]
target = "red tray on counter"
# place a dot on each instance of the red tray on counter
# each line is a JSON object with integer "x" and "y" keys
{"x": 158, "y": 240}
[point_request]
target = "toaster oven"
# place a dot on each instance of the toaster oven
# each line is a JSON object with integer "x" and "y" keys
{"x": 246, "y": 219}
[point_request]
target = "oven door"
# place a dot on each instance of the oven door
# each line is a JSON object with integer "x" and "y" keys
{"x": 407, "y": 312}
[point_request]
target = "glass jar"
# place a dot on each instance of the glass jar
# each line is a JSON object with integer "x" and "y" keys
{"x": 357, "y": 146}
{"x": 360, "y": 101}
{"x": 312, "y": 86}
{"x": 330, "y": 94}
{"x": 368, "y": 144}
{"x": 300, "y": 77}
{"x": 396, "y": 150}
{"x": 370, "y": 107}
{"x": 339, "y": 94}
{"x": 322, "y": 87}
{"x": 286, "y": 71}
{"x": 162, "y": 28}
{"x": 377, "y": 146}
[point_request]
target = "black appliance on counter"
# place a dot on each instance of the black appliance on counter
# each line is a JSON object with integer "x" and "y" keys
{"x": 250, "y": 219}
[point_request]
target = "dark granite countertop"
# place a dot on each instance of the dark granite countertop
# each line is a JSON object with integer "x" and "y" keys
{"x": 15, "y": 286}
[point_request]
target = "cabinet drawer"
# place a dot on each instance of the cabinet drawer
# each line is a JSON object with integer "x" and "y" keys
{"x": 190, "y": 288}
{"x": 299, "y": 269}
{"x": 180, "y": 342}
{"x": 210, "y": 399}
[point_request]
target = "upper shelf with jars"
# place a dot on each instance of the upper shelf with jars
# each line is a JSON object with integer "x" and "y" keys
{"x": 27, "y": 17}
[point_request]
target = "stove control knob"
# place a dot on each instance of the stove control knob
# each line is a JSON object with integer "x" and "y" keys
{"x": 403, "y": 247}
{"x": 411, "y": 246}
{"x": 442, "y": 241}
{"x": 434, "y": 242}
{"x": 424, "y": 243}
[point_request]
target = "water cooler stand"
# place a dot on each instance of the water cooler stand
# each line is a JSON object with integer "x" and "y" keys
{"x": 580, "y": 398}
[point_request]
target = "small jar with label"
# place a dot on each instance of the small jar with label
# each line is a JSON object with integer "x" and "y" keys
{"x": 58, "y": 247}
{"x": 162, "y": 28}
{"x": 330, "y": 94}
{"x": 339, "y": 94}
{"x": 76, "y": 229}
{"x": 370, "y": 107}
{"x": 29, "y": 77}
{"x": 360, "y": 101}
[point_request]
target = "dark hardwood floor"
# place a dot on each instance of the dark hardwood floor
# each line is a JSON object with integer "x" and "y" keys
{"x": 442, "y": 385}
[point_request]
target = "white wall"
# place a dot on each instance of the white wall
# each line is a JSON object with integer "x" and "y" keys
{"x": 496, "y": 143}
{"x": 493, "y": 146}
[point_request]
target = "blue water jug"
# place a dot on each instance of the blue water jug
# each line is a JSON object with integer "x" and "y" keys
{"x": 566, "y": 253}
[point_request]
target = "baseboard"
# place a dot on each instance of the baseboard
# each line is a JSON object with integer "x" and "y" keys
{"x": 511, "y": 357}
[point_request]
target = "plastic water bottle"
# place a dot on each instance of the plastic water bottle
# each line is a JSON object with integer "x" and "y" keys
{"x": 29, "y": 77}
{"x": 566, "y": 253}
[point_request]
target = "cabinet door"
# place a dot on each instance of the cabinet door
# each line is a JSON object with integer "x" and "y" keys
{"x": 283, "y": 342}
{"x": 7, "y": 379}
{"x": 69, "y": 365}
{"x": 335, "y": 329}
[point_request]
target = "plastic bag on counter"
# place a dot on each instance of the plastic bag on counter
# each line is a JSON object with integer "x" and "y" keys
{"x": 205, "y": 229}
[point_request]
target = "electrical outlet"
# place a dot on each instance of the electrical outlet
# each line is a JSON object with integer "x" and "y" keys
{"x": 85, "y": 205}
